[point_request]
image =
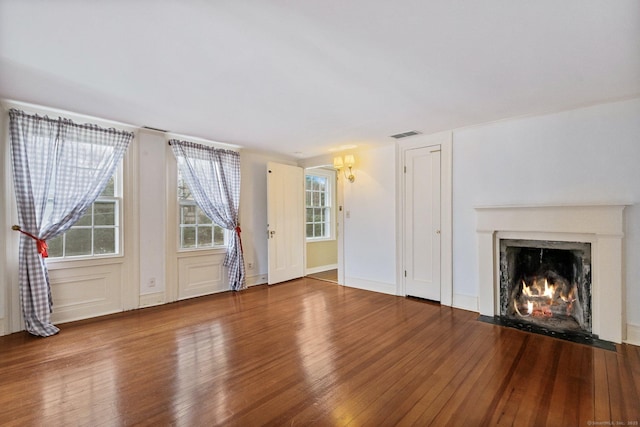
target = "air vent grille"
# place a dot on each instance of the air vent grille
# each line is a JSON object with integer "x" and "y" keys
{"x": 155, "y": 129}
{"x": 405, "y": 134}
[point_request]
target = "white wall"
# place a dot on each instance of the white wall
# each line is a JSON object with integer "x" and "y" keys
{"x": 370, "y": 221}
{"x": 588, "y": 155}
{"x": 152, "y": 150}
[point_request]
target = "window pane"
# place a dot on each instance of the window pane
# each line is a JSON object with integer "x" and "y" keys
{"x": 308, "y": 182}
{"x": 104, "y": 213}
{"x": 316, "y": 183}
{"x": 322, "y": 199}
{"x": 188, "y": 214}
{"x": 218, "y": 236}
{"x": 109, "y": 190}
{"x": 55, "y": 247}
{"x": 188, "y": 238}
{"x": 322, "y": 184}
{"x": 78, "y": 242}
{"x": 309, "y": 230}
{"x": 104, "y": 241}
{"x": 308, "y": 198}
{"x": 202, "y": 217}
{"x": 85, "y": 219}
{"x": 204, "y": 236}
{"x": 317, "y": 230}
{"x": 183, "y": 191}
{"x": 316, "y": 199}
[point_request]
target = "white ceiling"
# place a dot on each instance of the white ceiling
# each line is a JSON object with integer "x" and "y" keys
{"x": 304, "y": 77}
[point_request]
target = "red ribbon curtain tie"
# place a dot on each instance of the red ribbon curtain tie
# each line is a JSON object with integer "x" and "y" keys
{"x": 40, "y": 244}
{"x": 238, "y": 231}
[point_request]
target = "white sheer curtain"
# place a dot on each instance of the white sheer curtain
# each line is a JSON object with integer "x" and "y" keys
{"x": 59, "y": 169}
{"x": 213, "y": 177}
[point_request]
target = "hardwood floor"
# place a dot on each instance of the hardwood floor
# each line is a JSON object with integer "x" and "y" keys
{"x": 328, "y": 275}
{"x": 310, "y": 352}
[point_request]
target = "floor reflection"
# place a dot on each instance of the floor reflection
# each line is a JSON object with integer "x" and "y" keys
{"x": 201, "y": 363}
{"x": 313, "y": 339}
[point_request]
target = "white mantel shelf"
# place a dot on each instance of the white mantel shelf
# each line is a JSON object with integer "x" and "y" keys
{"x": 589, "y": 219}
{"x": 602, "y": 225}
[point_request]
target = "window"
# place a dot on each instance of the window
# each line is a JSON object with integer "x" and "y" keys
{"x": 320, "y": 221}
{"x": 196, "y": 228}
{"x": 96, "y": 233}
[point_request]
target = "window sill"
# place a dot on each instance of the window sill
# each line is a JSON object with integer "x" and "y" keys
{"x": 321, "y": 239}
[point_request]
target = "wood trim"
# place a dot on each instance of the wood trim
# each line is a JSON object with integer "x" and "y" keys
{"x": 150, "y": 300}
{"x": 320, "y": 269}
{"x": 633, "y": 334}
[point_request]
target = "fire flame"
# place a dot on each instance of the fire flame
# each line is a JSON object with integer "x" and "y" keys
{"x": 538, "y": 298}
{"x": 549, "y": 291}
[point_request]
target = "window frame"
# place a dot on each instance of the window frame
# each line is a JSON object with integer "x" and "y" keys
{"x": 118, "y": 199}
{"x": 190, "y": 202}
{"x": 330, "y": 198}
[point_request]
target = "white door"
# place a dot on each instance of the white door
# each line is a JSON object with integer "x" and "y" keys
{"x": 285, "y": 216}
{"x": 422, "y": 222}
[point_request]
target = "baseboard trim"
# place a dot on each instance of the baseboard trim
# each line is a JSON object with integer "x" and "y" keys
{"x": 633, "y": 334}
{"x": 257, "y": 279}
{"x": 3, "y": 330}
{"x": 370, "y": 285}
{"x": 320, "y": 269}
{"x": 465, "y": 302}
{"x": 149, "y": 300}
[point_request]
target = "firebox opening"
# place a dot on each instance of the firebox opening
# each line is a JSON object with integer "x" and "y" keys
{"x": 546, "y": 283}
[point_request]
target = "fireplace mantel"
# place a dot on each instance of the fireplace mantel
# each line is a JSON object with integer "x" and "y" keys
{"x": 601, "y": 225}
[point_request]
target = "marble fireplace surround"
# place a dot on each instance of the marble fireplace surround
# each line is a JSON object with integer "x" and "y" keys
{"x": 600, "y": 225}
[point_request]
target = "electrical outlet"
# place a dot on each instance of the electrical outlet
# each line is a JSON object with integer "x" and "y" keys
{"x": 152, "y": 282}
{"x": 250, "y": 266}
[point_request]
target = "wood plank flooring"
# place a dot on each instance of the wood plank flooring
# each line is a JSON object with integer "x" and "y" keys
{"x": 328, "y": 275}
{"x": 310, "y": 352}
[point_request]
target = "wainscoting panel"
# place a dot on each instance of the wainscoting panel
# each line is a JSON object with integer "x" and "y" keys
{"x": 201, "y": 275}
{"x": 83, "y": 292}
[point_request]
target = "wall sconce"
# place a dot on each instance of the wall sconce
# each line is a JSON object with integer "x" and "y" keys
{"x": 349, "y": 161}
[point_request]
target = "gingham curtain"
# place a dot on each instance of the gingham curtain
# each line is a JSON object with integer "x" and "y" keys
{"x": 213, "y": 177}
{"x": 67, "y": 165}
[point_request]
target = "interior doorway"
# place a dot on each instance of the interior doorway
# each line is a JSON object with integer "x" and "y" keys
{"x": 322, "y": 223}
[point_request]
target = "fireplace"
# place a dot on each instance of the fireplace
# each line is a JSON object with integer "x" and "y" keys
{"x": 565, "y": 272}
{"x": 546, "y": 284}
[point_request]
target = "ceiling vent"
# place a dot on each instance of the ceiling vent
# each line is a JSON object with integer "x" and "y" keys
{"x": 155, "y": 129}
{"x": 405, "y": 134}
